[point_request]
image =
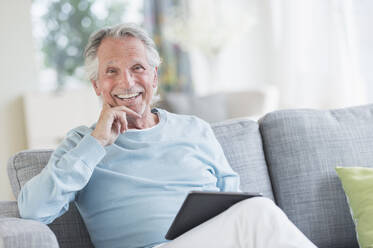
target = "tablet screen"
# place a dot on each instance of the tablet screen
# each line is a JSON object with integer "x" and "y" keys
{"x": 200, "y": 206}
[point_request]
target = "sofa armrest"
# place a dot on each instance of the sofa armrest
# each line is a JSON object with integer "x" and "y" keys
{"x": 19, "y": 233}
{"x": 9, "y": 209}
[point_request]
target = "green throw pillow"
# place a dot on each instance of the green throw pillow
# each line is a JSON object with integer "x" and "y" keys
{"x": 358, "y": 185}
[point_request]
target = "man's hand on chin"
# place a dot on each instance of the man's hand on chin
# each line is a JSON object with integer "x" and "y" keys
{"x": 111, "y": 123}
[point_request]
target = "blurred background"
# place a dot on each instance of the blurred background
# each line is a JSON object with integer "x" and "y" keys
{"x": 222, "y": 59}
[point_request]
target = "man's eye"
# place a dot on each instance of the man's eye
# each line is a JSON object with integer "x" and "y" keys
{"x": 110, "y": 71}
{"x": 138, "y": 68}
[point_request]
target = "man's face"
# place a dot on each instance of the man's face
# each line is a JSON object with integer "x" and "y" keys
{"x": 124, "y": 74}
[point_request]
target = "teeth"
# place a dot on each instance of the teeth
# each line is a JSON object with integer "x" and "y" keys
{"x": 128, "y": 96}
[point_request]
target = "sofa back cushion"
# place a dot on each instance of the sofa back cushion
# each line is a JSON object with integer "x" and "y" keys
{"x": 302, "y": 149}
{"x": 69, "y": 229}
{"x": 243, "y": 148}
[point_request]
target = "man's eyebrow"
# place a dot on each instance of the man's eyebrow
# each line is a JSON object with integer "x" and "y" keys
{"x": 110, "y": 62}
{"x": 139, "y": 61}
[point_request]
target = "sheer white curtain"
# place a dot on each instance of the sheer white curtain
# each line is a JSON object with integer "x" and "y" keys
{"x": 362, "y": 10}
{"x": 317, "y": 53}
{"x": 315, "y": 60}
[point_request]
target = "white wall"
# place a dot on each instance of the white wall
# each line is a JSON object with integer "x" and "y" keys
{"x": 17, "y": 75}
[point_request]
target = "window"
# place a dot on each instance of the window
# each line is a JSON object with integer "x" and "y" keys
{"x": 61, "y": 29}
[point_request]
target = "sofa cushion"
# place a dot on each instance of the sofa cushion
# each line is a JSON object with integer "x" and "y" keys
{"x": 69, "y": 229}
{"x": 243, "y": 148}
{"x": 18, "y": 233}
{"x": 302, "y": 148}
{"x": 25, "y": 165}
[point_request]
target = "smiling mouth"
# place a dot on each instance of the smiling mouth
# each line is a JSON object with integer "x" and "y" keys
{"x": 128, "y": 96}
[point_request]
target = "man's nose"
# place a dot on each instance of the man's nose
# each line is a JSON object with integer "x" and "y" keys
{"x": 127, "y": 79}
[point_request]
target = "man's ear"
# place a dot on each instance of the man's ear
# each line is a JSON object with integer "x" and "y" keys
{"x": 155, "y": 79}
{"x": 95, "y": 86}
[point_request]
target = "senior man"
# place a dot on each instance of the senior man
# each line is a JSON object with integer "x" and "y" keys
{"x": 130, "y": 172}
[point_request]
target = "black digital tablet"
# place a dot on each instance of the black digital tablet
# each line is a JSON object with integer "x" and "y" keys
{"x": 200, "y": 206}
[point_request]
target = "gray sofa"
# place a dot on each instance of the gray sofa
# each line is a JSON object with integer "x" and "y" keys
{"x": 289, "y": 156}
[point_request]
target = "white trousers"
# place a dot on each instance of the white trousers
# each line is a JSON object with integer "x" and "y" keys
{"x": 253, "y": 223}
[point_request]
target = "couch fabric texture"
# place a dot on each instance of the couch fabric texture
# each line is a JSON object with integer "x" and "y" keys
{"x": 69, "y": 228}
{"x": 18, "y": 233}
{"x": 302, "y": 149}
{"x": 289, "y": 156}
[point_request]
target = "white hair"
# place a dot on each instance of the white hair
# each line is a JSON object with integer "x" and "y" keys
{"x": 119, "y": 31}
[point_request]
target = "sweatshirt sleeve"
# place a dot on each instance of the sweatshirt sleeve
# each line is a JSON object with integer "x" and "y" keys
{"x": 47, "y": 196}
{"x": 227, "y": 179}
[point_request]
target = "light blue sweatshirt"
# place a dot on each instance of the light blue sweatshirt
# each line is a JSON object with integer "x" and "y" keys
{"x": 129, "y": 192}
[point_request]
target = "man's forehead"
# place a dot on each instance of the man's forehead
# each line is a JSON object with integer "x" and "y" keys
{"x": 113, "y": 50}
{"x": 123, "y": 44}
{"x": 131, "y": 60}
